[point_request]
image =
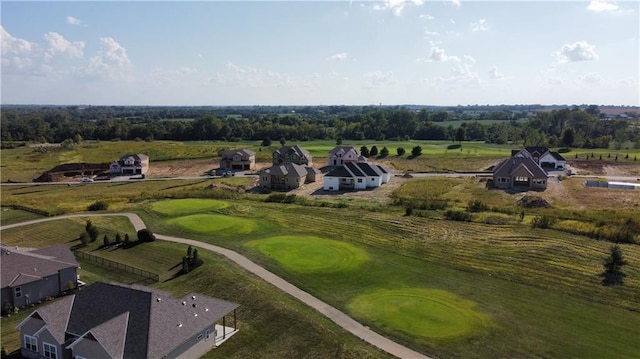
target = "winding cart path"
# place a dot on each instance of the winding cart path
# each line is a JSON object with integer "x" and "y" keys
{"x": 335, "y": 315}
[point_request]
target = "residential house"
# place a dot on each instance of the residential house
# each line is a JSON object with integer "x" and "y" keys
{"x": 117, "y": 321}
{"x": 542, "y": 156}
{"x": 344, "y": 154}
{"x": 32, "y": 275}
{"x": 520, "y": 172}
{"x": 238, "y": 160}
{"x": 355, "y": 176}
{"x": 136, "y": 164}
{"x": 287, "y": 176}
{"x": 292, "y": 154}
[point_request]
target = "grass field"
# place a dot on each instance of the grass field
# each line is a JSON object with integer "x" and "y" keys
{"x": 307, "y": 254}
{"x": 421, "y": 313}
{"x": 187, "y": 205}
{"x": 11, "y": 215}
{"x": 217, "y": 224}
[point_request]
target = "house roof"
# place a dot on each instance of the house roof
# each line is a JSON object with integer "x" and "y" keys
{"x": 55, "y": 317}
{"x": 287, "y": 169}
{"x": 295, "y": 149}
{"x": 133, "y": 321}
{"x": 22, "y": 265}
{"x": 241, "y": 152}
{"x": 508, "y": 166}
{"x": 356, "y": 169}
{"x": 369, "y": 169}
{"x": 343, "y": 149}
{"x": 137, "y": 157}
{"x": 557, "y": 156}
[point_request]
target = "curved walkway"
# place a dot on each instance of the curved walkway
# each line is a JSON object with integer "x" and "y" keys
{"x": 337, "y": 316}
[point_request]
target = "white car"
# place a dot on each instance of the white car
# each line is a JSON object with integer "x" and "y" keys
{"x": 87, "y": 180}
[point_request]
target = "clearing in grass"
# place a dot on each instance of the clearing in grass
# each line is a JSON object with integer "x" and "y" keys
{"x": 308, "y": 254}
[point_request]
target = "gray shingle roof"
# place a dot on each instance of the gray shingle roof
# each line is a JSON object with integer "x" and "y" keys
{"x": 506, "y": 167}
{"x": 242, "y": 152}
{"x": 355, "y": 170}
{"x": 20, "y": 266}
{"x": 343, "y": 149}
{"x": 287, "y": 169}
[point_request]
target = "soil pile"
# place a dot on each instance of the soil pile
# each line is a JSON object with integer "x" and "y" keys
{"x": 529, "y": 201}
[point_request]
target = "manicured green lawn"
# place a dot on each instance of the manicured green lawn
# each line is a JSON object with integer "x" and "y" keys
{"x": 217, "y": 224}
{"x": 308, "y": 254}
{"x": 187, "y": 205}
{"x": 421, "y": 313}
{"x": 10, "y": 216}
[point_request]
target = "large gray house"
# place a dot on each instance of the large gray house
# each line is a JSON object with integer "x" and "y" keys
{"x": 520, "y": 173}
{"x": 31, "y": 275}
{"x": 117, "y": 321}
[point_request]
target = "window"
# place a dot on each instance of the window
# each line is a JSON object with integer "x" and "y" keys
{"x": 521, "y": 179}
{"x": 50, "y": 351}
{"x": 18, "y": 292}
{"x": 30, "y": 343}
{"x": 359, "y": 180}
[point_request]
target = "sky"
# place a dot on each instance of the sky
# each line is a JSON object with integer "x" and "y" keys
{"x": 392, "y": 52}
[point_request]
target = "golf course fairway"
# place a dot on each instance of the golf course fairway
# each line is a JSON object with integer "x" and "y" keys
{"x": 176, "y": 207}
{"x": 420, "y": 313}
{"x": 309, "y": 254}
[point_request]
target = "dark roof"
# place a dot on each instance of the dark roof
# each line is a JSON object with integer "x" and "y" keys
{"x": 382, "y": 169}
{"x": 136, "y": 156}
{"x": 557, "y": 156}
{"x": 506, "y": 167}
{"x": 343, "y": 149}
{"x": 355, "y": 170}
{"x": 132, "y": 321}
{"x": 339, "y": 171}
{"x": 295, "y": 148}
{"x": 287, "y": 169}
{"x": 23, "y": 265}
{"x": 368, "y": 169}
{"x": 241, "y": 152}
{"x": 540, "y": 149}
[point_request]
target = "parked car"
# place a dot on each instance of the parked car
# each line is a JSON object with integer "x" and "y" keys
{"x": 87, "y": 179}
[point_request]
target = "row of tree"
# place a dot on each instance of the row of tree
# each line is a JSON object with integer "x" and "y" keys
{"x": 563, "y": 127}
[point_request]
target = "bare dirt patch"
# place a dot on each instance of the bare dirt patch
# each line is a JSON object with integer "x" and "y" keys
{"x": 605, "y": 168}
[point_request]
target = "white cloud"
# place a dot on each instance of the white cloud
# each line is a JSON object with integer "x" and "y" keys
{"x": 426, "y": 17}
{"x": 455, "y": 3}
{"x": 57, "y": 44}
{"x": 16, "y": 52}
{"x": 494, "y": 74}
{"x": 461, "y": 74}
{"x": 339, "y": 57}
{"x": 253, "y": 77}
{"x": 378, "y": 79}
{"x": 480, "y": 25}
{"x": 73, "y": 21}
{"x": 602, "y": 5}
{"x": 396, "y": 5}
{"x": 428, "y": 34}
{"x": 111, "y": 61}
{"x": 469, "y": 58}
{"x": 438, "y": 55}
{"x": 591, "y": 78}
{"x": 578, "y": 51}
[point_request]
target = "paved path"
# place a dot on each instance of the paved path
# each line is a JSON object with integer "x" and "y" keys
{"x": 327, "y": 310}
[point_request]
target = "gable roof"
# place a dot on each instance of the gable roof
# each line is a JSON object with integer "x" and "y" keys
{"x": 242, "y": 152}
{"x": 540, "y": 149}
{"x": 557, "y": 156}
{"x": 508, "y": 166}
{"x": 287, "y": 169}
{"x": 356, "y": 169}
{"x": 293, "y": 149}
{"x": 136, "y": 157}
{"x": 23, "y": 265}
{"x": 343, "y": 149}
{"x": 131, "y": 321}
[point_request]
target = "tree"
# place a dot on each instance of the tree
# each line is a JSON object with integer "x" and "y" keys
{"x": 568, "y": 137}
{"x": 84, "y": 238}
{"x": 613, "y": 274}
{"x": 339, "y": 141}
{"x": 364, "y": 151}
{"x": 401, "y": 151}
{"x": 374, "y": 151}
{"x": 118, "y": 238}
{"x": 91, "y": 230}
{"x": 189, "y": 252}
{"x": 283, "y": 141}
{"x": 145, "y": 235}
{"x": 266, "y": 142}
{"x": 195, "y": 256}
{"x": 384, "y": 152}
{"x": 416, "y": 151}
{"x": 105, "y": 241}
{"x": 126, "y": 238}
{"x": 461, "y": 134}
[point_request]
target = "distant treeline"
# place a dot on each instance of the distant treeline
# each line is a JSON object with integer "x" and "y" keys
{"x": 562, "y": 127}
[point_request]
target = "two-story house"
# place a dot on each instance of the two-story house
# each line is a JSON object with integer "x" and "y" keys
{"x": 292, "y": 154}
{"x": 238, "y": 160}
{"x": 133, "y": 164}
{"x": 340, "y": 155}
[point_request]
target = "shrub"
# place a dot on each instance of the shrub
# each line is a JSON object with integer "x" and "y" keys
{"x": 543, "y": 222}
{"x": 276, "y": 197}
{"x": 416, "y": 151}
{"x": 401, "y": 151}
{"x": 266, "y": 142}
{"x": 408, "y": 211}
{"x": 477, "y": 206}
{"x": 98, "y": 206}
{"x": 461, "y": 216}
{"x": 384, "y": 152}
{"x": 145, "y": 235}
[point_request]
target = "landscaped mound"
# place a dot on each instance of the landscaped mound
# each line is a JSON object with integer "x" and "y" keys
{"x": 217, "y": 224}
{"x": 533, "y": 202}
{"x": 308, "y": 254}
{"x": 175, "y": 207}
{"x": 420, "y": 313}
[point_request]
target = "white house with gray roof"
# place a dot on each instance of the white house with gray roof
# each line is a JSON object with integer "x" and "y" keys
{"x": 340, "y": 155}
{"x": 356, "y": 176}
{"x": 117, "y": 321}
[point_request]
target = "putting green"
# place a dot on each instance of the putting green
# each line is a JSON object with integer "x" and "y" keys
{"x": 175, "y": 207}
{"x": 420, "y": 313}
{"x": 218, "y": 224}
{"x": 308, "y": 254}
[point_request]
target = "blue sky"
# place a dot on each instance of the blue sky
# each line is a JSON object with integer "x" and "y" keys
{"x": 320, "y": 52}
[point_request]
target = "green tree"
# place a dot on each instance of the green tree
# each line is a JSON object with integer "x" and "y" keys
{"x": 461, "y": 134}
{"x": 145, "y": 235}
{"x": 568, "y": 137}
{"x": 339, "y": 141}
{"x": 105, "y": 240}
{"x": 84, "y": 238}
{"x": 613, "y": 264}
{"x": 189, "y": 252}
{"x": 416, "y": 151}
{"x": 401, "y": 151}
{"x": 283, "y": 141}
{"x": 364, "y": 151}
{"x": 374, "y": 151}
{"x": 384, "y": 152}
{"x": 195, "y": 256}
{"x": 266, "y": 142}
{"x": 126, "y": 238}
{"x": 92, "y": 231}
{"x": 118, "y": 238}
